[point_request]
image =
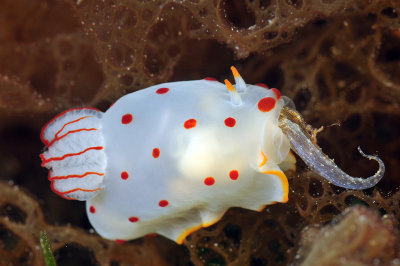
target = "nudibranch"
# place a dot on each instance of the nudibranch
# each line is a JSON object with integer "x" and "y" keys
{"x": 174, "y": 157}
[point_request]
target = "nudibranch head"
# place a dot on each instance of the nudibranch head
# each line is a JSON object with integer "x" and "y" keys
{"x": 174, "y": 157}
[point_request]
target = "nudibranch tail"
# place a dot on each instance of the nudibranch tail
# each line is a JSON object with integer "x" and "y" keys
{"x": 75, "y": 153}
{"x": 239, "y": 81}
{"x": 321, "y": 164}
{"x": 235, "y": 97}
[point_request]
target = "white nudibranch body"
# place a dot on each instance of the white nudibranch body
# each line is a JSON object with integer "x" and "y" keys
{"x": 174, "y": 157}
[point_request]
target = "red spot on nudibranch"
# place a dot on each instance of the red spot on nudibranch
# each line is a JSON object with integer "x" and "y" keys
{"x": 209, "y": 181}
{"x": 163, "y": 203}
{"x": 262, "y": 85}
{"x": 133, "y": 219}
{"x": 190, "y": 123}
{"x": 162, "y": 90}
{"x": 234, "y": 174}
{"x": 210, "y": 79}
{"x": 277, "y": 93}
{"x": 92, "y": 209}
{"x": 119, "y": 241}
{"x": 156, "y": 152}
{"x": 124, "y": 175}
{"x": 230, "y": 122}
{"x": 126, "y": 119}
{"x": 266, "y": 104}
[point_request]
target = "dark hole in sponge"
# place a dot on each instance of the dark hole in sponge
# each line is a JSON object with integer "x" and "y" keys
{"x": 315, "y": 188}
{"x": 390, "y": 49}
{"x": 238, "y": 14}
{"x": 74, "y": 254}
{"x": 329, "y": 209}
{"x": 233, "y": 232}
{"x": 302, "y": 99}
{"x": 353, "y": 122}
{"x": 385, "y": 127}
{"x": 8, "y": 240}
{"x": 258, "y": 262}
{"x": 13, "y": 213}
{"x": 274, "y": 78}
{"x": 389, "y": 12}
{"x": 352, "y": 200}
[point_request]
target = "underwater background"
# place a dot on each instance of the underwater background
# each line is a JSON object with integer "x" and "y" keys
{"x": 338, "y": 60}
